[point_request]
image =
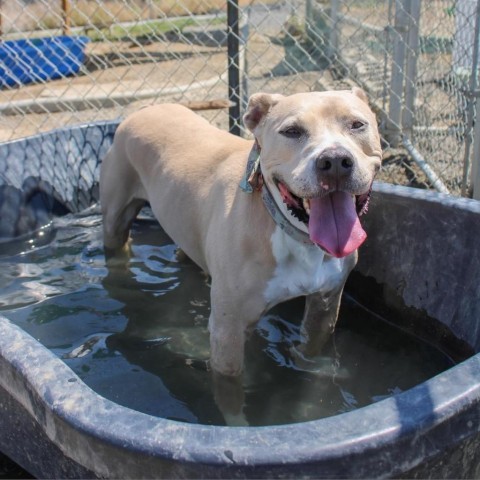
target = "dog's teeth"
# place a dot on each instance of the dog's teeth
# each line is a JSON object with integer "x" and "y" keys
{"x": 306, "y": 205}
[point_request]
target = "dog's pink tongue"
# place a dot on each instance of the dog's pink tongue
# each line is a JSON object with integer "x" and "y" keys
{"x": 334, "y": 224}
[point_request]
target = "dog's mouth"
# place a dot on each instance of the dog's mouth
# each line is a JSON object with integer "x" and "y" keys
{"x": 332, "y": 219}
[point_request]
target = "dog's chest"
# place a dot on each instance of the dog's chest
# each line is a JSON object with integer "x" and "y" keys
{"x": 300, "y": 270}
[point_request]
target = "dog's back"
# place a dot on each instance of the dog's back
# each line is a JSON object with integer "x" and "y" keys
{"x": 152, "y": 152}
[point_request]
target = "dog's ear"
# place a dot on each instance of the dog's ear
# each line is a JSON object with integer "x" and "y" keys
{"x": 358, "y": 92}
{"x": 259, "y": 105}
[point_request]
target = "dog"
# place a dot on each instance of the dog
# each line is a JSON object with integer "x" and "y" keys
{"x": 268, "y": 219}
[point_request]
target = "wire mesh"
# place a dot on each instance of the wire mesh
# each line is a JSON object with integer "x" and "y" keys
{"x": 415, "y": 60}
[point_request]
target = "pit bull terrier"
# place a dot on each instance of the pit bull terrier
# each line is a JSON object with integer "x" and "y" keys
{"x": 292, "y": 228}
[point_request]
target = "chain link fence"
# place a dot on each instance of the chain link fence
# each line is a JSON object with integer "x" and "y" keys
{"x": 416, "y": 59}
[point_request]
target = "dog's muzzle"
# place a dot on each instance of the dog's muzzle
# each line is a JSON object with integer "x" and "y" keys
{"x": 332, "y": 220}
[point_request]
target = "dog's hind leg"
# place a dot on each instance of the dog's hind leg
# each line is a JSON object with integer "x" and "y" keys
{"x": 116, "y": 228}
{"x": 119, "y": 200}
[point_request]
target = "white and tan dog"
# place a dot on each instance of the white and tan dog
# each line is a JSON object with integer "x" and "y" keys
{"x": 292, "y": 230}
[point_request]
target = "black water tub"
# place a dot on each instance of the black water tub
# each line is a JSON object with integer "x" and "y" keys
{"x": 421, "y": 263}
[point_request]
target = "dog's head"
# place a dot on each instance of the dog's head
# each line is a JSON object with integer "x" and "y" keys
{"x": 319, "y": 154}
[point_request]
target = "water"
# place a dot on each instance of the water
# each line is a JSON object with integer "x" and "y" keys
{"x": 137, "y": 333}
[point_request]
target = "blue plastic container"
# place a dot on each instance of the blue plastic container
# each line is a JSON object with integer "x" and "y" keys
{"x": 40, "y": 59}
{"x": 421, "y": 261}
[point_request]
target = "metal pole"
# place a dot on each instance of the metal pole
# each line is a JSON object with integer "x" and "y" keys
{"x": 475, "y": 178}
{"x": 398, "y": 72}
{"x": 472, "y": 107}
{"x": 244, "y": 34}
{"x": 433, "y": 178}
{"x": 387, "y": 31}
{"x": 66, "y": 17}
{"x": 309, "y": 19}
{"x": 334, "y": 31}
{"x": 233, "y": 40}
{"x": 411, "y": 67}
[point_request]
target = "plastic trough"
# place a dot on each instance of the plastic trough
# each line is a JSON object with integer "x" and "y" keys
{"x": 39, "y": 59}
{"x": 422, "y": 258}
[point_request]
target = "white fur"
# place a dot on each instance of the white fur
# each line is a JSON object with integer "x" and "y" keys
{"x": 301, "y": 269}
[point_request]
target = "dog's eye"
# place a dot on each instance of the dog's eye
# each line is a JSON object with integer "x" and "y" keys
{"x": 292, "y": 132}
{"x": 357, "y": 125}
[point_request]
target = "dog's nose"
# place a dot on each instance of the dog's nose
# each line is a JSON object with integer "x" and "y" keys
{"x": 335, "y": 161}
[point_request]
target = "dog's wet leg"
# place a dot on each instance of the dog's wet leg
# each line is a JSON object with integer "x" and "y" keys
{"x": 227, "y": 341}
{"x": 226, "y": 361}
{"x": 227, "y": 327}
{"x": 318, "y": 324}
{"x": 117, "y": 223}
{"x": 119, "y": 200}
{"x": 229, "y": 396}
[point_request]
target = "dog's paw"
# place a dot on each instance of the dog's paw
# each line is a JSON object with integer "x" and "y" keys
{"x": 235, "y": 420}
{"x": 118, "y": 257}
{"x": 319, "y": 365}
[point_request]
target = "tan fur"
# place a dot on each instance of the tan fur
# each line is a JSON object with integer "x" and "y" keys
{"x": 189, "y": 171}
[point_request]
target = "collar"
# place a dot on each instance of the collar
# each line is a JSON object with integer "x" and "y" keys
{"x": 253, "y": 181}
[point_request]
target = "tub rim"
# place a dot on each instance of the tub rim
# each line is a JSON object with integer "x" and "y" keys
{"x": 36, "y": 376}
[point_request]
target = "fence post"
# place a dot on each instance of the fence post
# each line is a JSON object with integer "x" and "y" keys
{"x": 465, "y": 68}
{"x": 400, "y": 32}
{"x": 413, "y": 19}
{"x": 475, "y": 174}
{"x": 243, "y": 57}
{"x": 233, "y": 50}
{"x": 474, "y": 117}
{"x": 66, "y": 17}
{"x": 309, "y": 21}
{"x": 334, "y": 31}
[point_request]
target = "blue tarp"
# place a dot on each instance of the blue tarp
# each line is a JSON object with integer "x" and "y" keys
{"x": 40, "y": 59}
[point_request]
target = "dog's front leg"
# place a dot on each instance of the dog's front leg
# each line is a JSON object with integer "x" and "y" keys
{"x": 229, "y": 396}
{"x": 319, "y": 319}
{"x": 227, "y": 342}
{"x": 229, "y": 320}
{"x": 321, "y": 314}
{"x": 227, "y": 339}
